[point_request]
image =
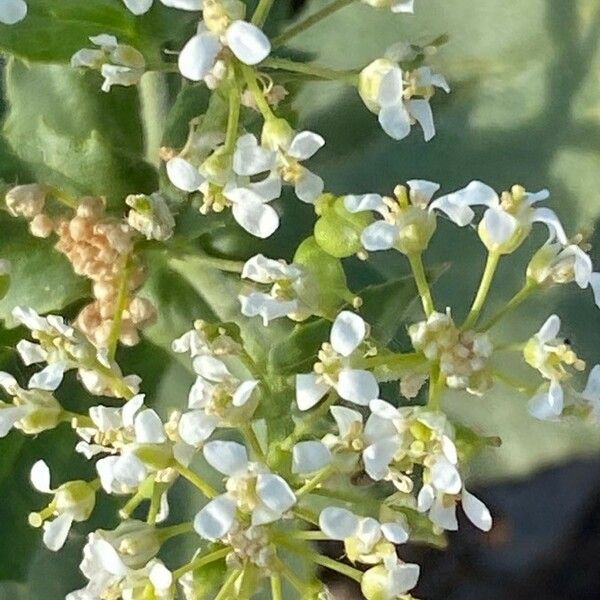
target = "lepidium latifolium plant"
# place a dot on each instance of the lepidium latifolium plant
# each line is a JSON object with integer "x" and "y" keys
{"x": 303, "y": 423}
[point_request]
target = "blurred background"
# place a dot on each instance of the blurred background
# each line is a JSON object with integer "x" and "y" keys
{"x": 524, "y": 108}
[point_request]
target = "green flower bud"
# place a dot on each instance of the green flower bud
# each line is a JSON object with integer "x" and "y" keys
{"x": 374, "y": 584}
{"x": 338, "y": 231}
{"x": 277, "y": 133}
{"x": 217, "y": 167}
{"x": 77, "y": 498}
{"x": 155, "y": 456}
{"x": 369, "y": 81}
{"x": 136, "y": 542}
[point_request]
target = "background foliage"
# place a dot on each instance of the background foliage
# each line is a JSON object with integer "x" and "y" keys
{"x": 524, "y": 108}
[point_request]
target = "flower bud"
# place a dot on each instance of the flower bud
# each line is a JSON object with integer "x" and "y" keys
{"x": 277, "y": 133}
{"x": 26, "y": 200}
{"x": 370, "y": 79}
{"x": 151, "y": 216}
{"x": 338, "y": 231}
{"x": 217, "y": 167}
{"x": 135, "y": 541}
{"x": 77, "y": 498}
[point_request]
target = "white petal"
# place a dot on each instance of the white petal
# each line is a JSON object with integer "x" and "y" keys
{"x": 309, "y": 390}
{"x": 305, "y": 144}
{"x": 107, "y": 558}
{"x": 31, "y": 353}
{"x": 275, "y": 493}
{"x": 449, "y": 449}
{"x": 106, "y": 417}
{"x": 357, "y": 385}
{"x": 228, "y": 458}
{"x": 345, "y": 419}
{"x": 267, "y": 189}
{"x": 474, "y": 194}
{"x": 592, "y": 388}
{"x": 12, "y": 11}
{"x": 583, "y": 265}
{"x": 191, "y": 5}
{"x": 195, "y": 427}
{"x": 397, "y": 533}
{"x": 379, "y": 236}
{"x": 425, "y": 498}
{"x": 421, "y": 111}
{"x": 476, "y": 511}
{"x": 376, "y": 429}
{"x": 9, "y": 415}
{"x": 28, "y": 317}
{"x": 265, "y": 306}
{"x": 130, "y": 409}
{"x": 549, "y": 218}
{"x": 422, "y": 191}
{"x": 138, "y": 7}
{"x": 48, "y": 378}
{"x": 40, "y": 477}
{"x": 404, "y": 578}
{"x": 498, "y": 225}
{"x": 356, "y": 204}
{"x": 547, "y": 405}
{"x": 445, "y": 477}
{"x": 309, "y": 457}
{"x": 390, "y": 88}
{"x": 216, "y": 518}
{"x": 163, "y": 512}
{"x": 595, "y": 285}
{"x": 211, "y": 368}
{"x": 56, "y": 532}
{"x": 444, "y": 516}
{"x": 533, "y": 197}
{"x": 184, "y": 175}
{"x": 129, "y": 470}
{"x": 309, "y": 186}
{"x": 457, "y": 212}
{"x": 347, "y": 333}
{"x": 261, "y": 220}
{"x": 247, "y": 42}
{"x": 378, "y": 456}
{"x": 8, "y": 383}
{"x": 243, "y": 392}
{"x": 149, "y": 428}
{"x": 395, "y": 120}
{"x": 384, "y": 409}
{"x": 549, "y": 330}
{"x": 250, "y": 158}
{"x": 160, "y": 577}
{"x": 403, "y": 6}
{"x": 338, "y": 523}
{"x": 198, "y": 56}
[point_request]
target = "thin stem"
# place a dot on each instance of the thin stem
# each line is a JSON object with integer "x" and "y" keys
{"x": 234, "y": 116}
{"x": 306, "y": 515}
{"x": 311, "y": 536}
{"x": 334, "y": 565}
{"x": 436, "y": 381}
{"x": 408, "y": 359}
{"x": 313, "y": 69}
{"x": 261, "y": 102}
{"x": 262, "y": 12}
{"x": 251, "y": 439}
{"x": 76, "y": 420}
{"x": 166, "y": 533}
{"x": 276, "y": 592}
{"x": 154, "y": 503}
{"x": 226, "y": 591}
{"x": 120, "y": 305}
{"x": 516, "y": 300}
{"x": 201, "y": 561}
{"x": 416, "y": 264}
{"x": 313, "y": 483}
{"x": 154, "y": 100}
{"x": 196, "y": 480}
{"x": 296, "y": 582}
{"x": 491, "y": 265}
{"x": 310, "y": 21}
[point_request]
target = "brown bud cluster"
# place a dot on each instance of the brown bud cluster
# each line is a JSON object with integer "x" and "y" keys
{"x": 100, "y": 249}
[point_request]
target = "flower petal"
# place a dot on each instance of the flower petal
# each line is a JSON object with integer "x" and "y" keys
{"x": 305, "y": 144}
{"x": 149, "y": 428}
{"x": 228, "y": 458}
{"x": 357, "y": 385}
{"x": 247, "y": 42}
{"x": 549, "y": 218}
{"x": 250, "y": 158}
{"x": 397, "y": 533}
{"x": 216, "y": 519}
{"x": 40, "y": 477}
{"x": 309, "y": 186}
{"x": 378, "y": 456}
{"x": 445, "y": 476}
{"x": 56, "y": 531}
{"x": 444, "y": 516}
{"x": 183, "y": 175}
{"x": 211, "y": 368}
{"x": 391, "y": 88}
{"x": 547, "y": 405}
{"x": 422, "y": 191}
{"x": 310, "y": 456}
{"x": 338, "y": 523}
{"x": 379, "y": 235}
{"x": 195, "y": 427}
{"x": 261, "y": 220}
{"x": 274, "y": 492}
{"x": 243, "y": 392}
{"x": 345, "y": 419}
{"x": 198, "y": 56}
{"x": 13, "y": 11}
{"x": 395, "y": 120}
{"x": 138, "y": 7}
{"x": 363, "y": 202}
{"x": 476, "y": 511}
{"x": 309, "y": 390}
{"x": 498, "y": 225}
{"x": 347, "y": 333}
{"x": 592, "y": 388}
{"x": 48, "y": 378}
{"x": 549, "y": 330}
{"x": 421, "y": 111}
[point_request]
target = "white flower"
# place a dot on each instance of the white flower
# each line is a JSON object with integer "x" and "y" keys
{"x": 119, "y": 64}
{"x": 205, "y": 339}
{"x": 550, "y": 356}
{"x": 309, "y": 457}
{"x": 150, "y": 215}
{"x": 509, "y": 217}
{"x": 12, "y": 11}
{"x": 390, "y": 580}
{"x": 441, "y": 507}
{"x": 335, "y": 368}
{"x": 32, "y": 411}
{"x": 409, "y": 219}
{"x": 139, "y": 7}
{"x": 400, "y": 98}
{"x": 591, "y": 392}
{"x": 217, "y": 399}
{"x": 556, "y": 263}
{"x": 223, "y": 26}
{"x": 286, "y": 283}
{"x": 251, "y": 489}
{"x": 396, "y": 6}
{"x": 73, "y": 501}
{"x": 365, "y": 539}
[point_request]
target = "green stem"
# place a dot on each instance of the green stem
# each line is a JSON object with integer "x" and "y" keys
{"x": 76, "y": 419}
{"x": 310, "y": 21}
{"x": 166, "y": 533}
{"x": 226, "y": 591}
{"x": 233, "y": 120}
{"x": 408, "y": 359}
{"x": 416, "y": 264}
{"x": 262, "y": 12}
{"x": 261, "y": 102}
{"x": 313, "y": 483}
{"x": 436, "y": 385}
{"x": 313, "y": 69}
{"x": 276, "y": 592}
{"x": 516, "y": 300}
{"x": 201, "y": 561}
{"x": 491, "y": 265}
{"x": 120, "y": 306}
{"x": 251, "y": 439}
{"x": 154, "y": 100}
{"x": 311, "y": 536}
{"x": 296, "y": 582}
{"x": 306, "y": 515}
{"x": 154, "y": 503}
{"x": 334, "y": 565}
{"x": 196, "y": 480}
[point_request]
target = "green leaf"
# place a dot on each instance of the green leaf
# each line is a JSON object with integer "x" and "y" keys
{"x": 73, "y": 135}
{"x": 41, "y": 277}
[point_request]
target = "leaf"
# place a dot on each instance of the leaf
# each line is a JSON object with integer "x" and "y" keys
{"x": 73, "y": 135}
{"x": 41, "y": 277}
